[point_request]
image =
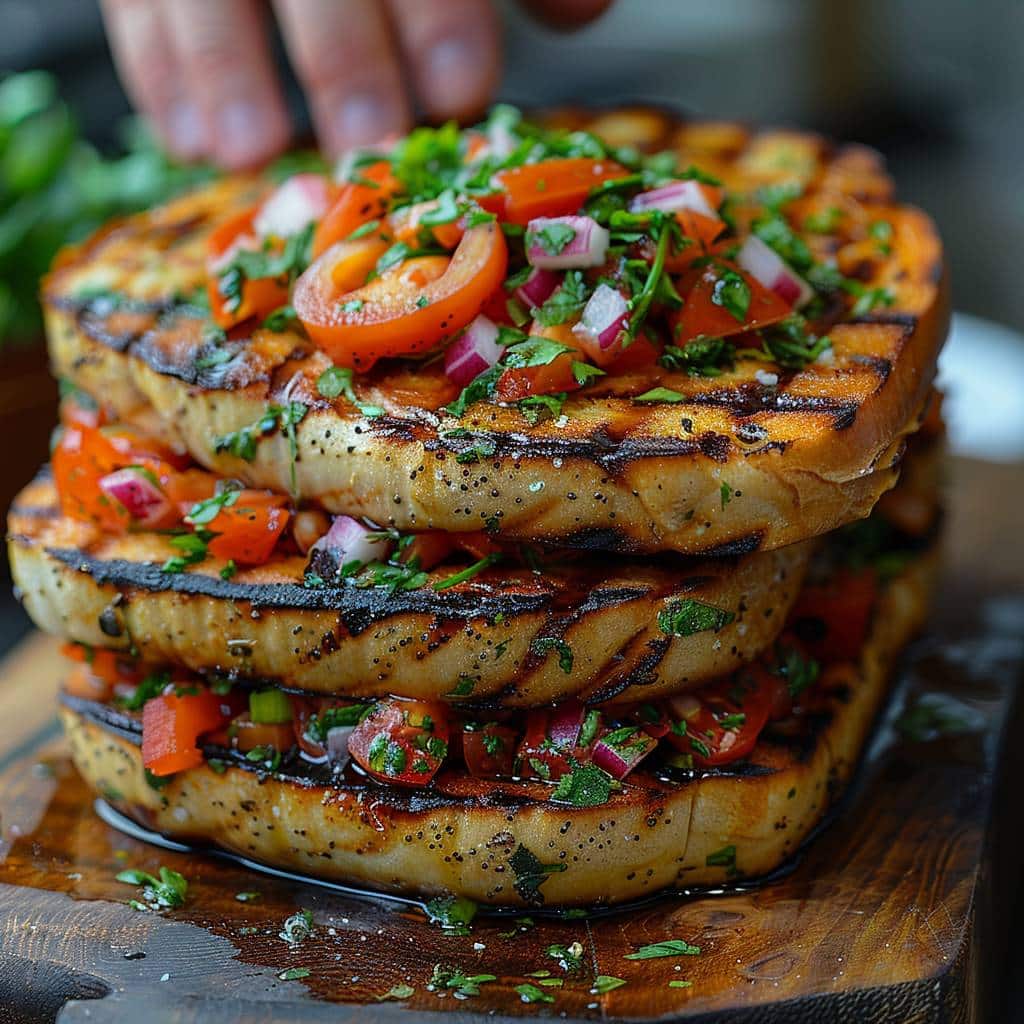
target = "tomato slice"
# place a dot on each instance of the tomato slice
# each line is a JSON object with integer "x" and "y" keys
{"x": 551, "y": 188}
{"x": 701, "y": 315}
{"x": 357, "y": 204}
{"x": 171, "y": 727}
{"x": 402, "y": 742}
{"x": 489, "y": 751}
{"x": 248, "y": 530}
{"x": 832, "y": 618}
{"x": 261, "y": 295}
{"x": 401, "y": 313}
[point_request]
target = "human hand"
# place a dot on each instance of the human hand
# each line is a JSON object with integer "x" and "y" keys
{"x": 202, "y": 71}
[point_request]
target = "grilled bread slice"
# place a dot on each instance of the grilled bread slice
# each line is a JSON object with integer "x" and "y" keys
{"x": 753, "y": 458}
{"x": 477, "y": 642}
{"x": 506, "y": 842}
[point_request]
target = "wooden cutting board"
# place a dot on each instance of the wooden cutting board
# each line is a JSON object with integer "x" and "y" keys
{"x": 893, "y": 913}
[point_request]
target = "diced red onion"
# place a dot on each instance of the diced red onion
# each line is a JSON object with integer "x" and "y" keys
{"x": 537, "y": 288}
{"x": 145, "y": 501}
{"x": 349, "y": 540}
{"x": 619, "y": 763}
{"x": 764, "y": 263}
{"x": 565, "y": 723}
{"x": 337, "y": 744}
{"x": 586, "y": 248}
{"x": 299, "y": 201}
{"x": 603, "y": 321}
{"x": 473, "y": 351}
{"x": 671, "y": 198}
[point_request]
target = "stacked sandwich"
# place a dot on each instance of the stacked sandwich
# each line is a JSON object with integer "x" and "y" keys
{"x": 495, "y": 515}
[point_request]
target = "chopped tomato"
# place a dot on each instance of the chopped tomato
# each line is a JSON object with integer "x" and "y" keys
{"x": 83, "y": 456}
{"x": 720, "y": 723}
{"x": 259, "y": 296}
{"x": 832, "y": 618}
{"x": 248, "y": 530}
{"x": 717, "y": 305}
{"x": 548, "y": 379}
{"x": 402, "y": 742}
{"x": 489, "y": 751}
{"x": 430, "y": 548}
{"x": 551, "y": 188}
{"x": 358, "y": 203}
{"x": 172, "y": 726}
{"x": 551, "y": 743}
{"x": 641, "y": 354}
{"x": 404, "y": 312}
{"x": 700, "y": 227}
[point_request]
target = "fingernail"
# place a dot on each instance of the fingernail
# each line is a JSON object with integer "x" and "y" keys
{"x": 365, "y": 118}
{"x": 457, "y": 72}
{"x": 186, "y": 134}
{"x": 240, "y": 138}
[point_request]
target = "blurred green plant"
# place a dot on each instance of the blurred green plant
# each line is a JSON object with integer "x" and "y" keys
{"x": 55, "y": 187}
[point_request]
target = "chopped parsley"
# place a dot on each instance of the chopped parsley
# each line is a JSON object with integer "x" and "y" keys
{"x": 700, "y": 357}
{"x": 453, "y": 914}
{"x": 687, "y": 616}
{"x": 400, "y": 991}
{"x": 469, "y": 572}
{"x": 280, "y": 319}
{"x": 456, "y": 980}
{"x": 726, "y": 494}
{"x": 723, "y": 858}
{"x": 732, "y": 293}
{"x": 585, "y": 786}
{"x": 542, "y": 645}
{"x": 166, "y": 892}
{"x": 538, "y": 407}
{"x": 670, "y": 947}
{"x": 531, "y": 874}
{"x": 660, "y": 395}
{"x": 530, "y": 993}
{"x": 248, "y": 264}
{"x": 337, "y": 380}
{"x": 295, "y": 974}
{"x": 606, "y": 983}
{"x": 552, "y": 238}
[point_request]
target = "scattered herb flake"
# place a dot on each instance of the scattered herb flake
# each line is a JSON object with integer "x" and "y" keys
{"x": 670, "y": 947}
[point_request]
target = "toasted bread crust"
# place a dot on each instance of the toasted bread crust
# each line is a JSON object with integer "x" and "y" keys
{"x": 264, "y": 624}
{"x": 462, "y": 834}
{"x": 800, "y": 457}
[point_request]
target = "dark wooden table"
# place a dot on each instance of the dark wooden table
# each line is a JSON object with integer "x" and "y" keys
{"x": 896, "y": 912}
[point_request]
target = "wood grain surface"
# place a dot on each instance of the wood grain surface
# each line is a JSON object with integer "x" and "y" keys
{"x": 890, "y": 914}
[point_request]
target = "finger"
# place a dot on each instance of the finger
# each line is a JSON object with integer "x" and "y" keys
{"x": 567, "y": 14}
{"x": 452, "y": 48}
{"x": 152, "y": 78}
{"x": 226, "y": 66}
{"x": 348, "y": 64}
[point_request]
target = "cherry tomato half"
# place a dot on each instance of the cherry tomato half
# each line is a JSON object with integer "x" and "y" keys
{"x": 358, "y": 203}
{"x": 259, "y": 296}
{"x": 832, "y": 618}
{"x": 404, "y": 311}
{"x": 401, "y": 742}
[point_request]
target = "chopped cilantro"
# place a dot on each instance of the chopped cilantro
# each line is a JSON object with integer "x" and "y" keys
{"x": 732, "y": 293}
{"x": 585, "y": 786}
{"x": 552, "y": 238}
{"x": 606, "y": 983}
{"x": 161, "y": 893}
{"x": 337, "y": 380}
{"x": 660, "y": 395}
